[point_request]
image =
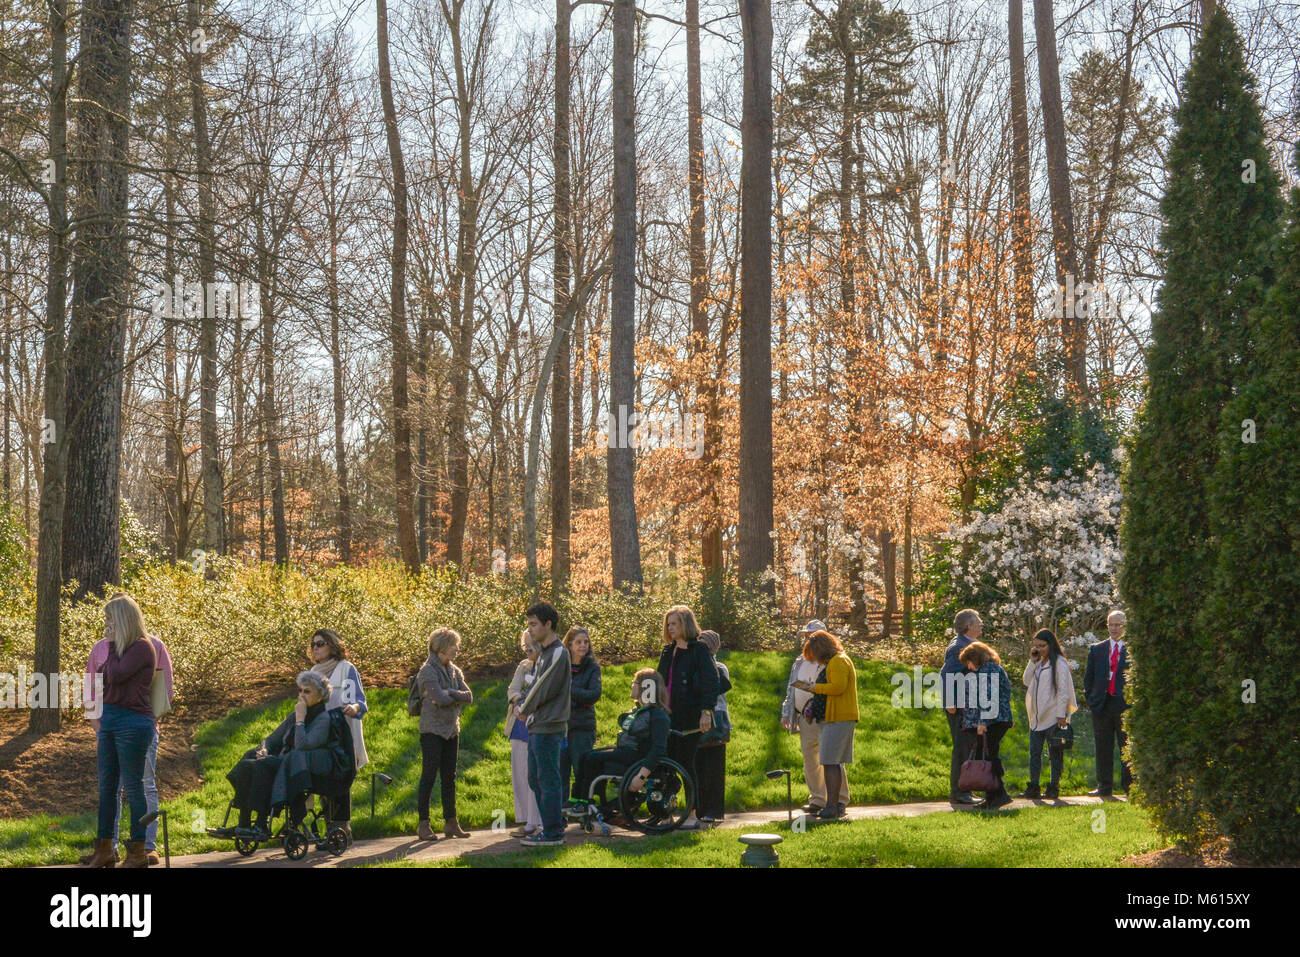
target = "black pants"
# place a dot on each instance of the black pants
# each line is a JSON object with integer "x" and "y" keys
{"x": 439, "y": 756}
{"x": 683, "y": 749}
{"x": 959, "y": 752}
{"x": 1108, "y": 726}
{"x": 711, "y": 769}
{"x": 993, "y": 740}
{"x": 338, "y": 809}
{"x": 252, "y": 778}
{"x": 602, "y": 761}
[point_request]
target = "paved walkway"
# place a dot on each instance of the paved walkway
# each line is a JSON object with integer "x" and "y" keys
{"x": 482, "y": 842}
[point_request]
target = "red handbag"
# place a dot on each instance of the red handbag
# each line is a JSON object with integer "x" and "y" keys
{"x": 977, "y": 774}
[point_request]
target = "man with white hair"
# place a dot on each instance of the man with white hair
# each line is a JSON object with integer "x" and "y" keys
{"x": 1103, "y": 686}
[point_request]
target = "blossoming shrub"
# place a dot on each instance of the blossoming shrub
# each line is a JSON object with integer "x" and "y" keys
{"x": 1046, "y": 558}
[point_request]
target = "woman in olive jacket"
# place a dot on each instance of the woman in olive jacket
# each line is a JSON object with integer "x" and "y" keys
{"x": 691, "y": 680}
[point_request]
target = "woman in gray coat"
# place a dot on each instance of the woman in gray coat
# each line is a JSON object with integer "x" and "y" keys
{"x": 443, "y": 694}
{"x": 311, "y": 750}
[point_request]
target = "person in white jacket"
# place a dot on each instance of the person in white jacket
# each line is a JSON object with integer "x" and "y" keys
{"x": 526, "y": 812}
{"x": 1049, "y": 702}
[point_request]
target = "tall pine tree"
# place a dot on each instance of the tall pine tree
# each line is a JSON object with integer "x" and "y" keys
{"x": 1220, "y": 213}
{"x": 1250, "y": 788}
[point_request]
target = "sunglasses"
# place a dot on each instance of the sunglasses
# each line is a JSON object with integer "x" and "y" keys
{"x": 319, "y": 643}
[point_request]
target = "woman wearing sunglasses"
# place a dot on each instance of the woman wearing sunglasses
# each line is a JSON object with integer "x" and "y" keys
{"x": 330, "y": 661}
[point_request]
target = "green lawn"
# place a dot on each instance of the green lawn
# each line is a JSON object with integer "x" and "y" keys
{"x": 901, "y": 755}
{"x": 1035, "y": 837}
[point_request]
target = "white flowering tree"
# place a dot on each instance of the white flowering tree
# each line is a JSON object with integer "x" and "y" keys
{"x": 1047, "y": 558}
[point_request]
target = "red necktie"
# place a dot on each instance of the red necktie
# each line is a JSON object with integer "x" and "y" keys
{"x": 1114, "y": 666}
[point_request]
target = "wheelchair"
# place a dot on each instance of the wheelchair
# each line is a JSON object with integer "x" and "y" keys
{"x": 661, "y": 806}
{"x": 295, "y": 838}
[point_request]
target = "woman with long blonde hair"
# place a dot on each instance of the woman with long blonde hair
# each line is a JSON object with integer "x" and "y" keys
{"x": 126, "y": 728}
{"x": 690, "y": 686}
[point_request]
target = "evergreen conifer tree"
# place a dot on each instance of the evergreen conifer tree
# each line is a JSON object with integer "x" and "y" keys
{"x": 1221, "y": 211}
{"x": 1250, "y": 787}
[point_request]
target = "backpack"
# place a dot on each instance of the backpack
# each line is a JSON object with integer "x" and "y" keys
{"x": 413, "y": 699}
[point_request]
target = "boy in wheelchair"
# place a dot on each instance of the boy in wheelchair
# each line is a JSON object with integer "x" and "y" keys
{"x": 641, "y": 744}
{"x": 310, "y": 752}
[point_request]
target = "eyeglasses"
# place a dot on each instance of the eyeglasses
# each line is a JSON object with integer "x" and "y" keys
{"x": 320, "y": 643}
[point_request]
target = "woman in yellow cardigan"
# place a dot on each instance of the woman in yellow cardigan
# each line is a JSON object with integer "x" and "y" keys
{"x": 835, "y": 740}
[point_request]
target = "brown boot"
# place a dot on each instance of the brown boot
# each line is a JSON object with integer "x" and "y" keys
{"x": 135, "y": 855}
{"x": 455, "y": 830}
{"x": 85, "y": 859}
{"x": 424, "y": 832}
{"x": 102, "y": 854}
{"x": 152, "y": 858}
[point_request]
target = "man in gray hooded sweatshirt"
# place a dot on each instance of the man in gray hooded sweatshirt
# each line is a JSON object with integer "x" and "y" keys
{"x": 545, "y": 709}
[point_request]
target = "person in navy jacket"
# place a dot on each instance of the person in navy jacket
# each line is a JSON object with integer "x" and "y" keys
{"x": 969, "y": 627}
{"x": 1103, "y": 686}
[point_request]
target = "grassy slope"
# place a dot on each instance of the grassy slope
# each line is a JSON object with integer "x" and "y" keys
{"x": 901, "y": 755}
{"x": 1038, "y": 837}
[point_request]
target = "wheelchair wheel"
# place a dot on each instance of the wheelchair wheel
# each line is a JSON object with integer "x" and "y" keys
{"x": 336, "y": 841}
{"x": 245, "y": 846}
{"x": 663, "y": 804}
{"x": 295, "y": 844}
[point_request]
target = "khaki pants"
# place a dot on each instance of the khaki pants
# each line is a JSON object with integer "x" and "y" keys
{"x": 812, "y": 768}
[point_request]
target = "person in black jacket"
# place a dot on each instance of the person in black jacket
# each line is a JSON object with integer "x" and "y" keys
{"x": 585, "y": 691}
{"x": 711, "y": 759}
{"x": 1103, "y": 687}
{"x": 691, "y": 683}
{"x": 642, "y": 741}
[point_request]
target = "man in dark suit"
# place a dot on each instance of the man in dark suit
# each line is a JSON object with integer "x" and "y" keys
{"x": 969, "y": 627}
{"x": 1103, "y": 686}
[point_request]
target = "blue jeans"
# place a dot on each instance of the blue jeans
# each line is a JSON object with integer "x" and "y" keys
{"x": 580, "y": 742}
{"x": 1055, "y": 757}
{"x": 544, "y": 780}
{"x": 124, "y": 737}
{"x": 150, "y": 796}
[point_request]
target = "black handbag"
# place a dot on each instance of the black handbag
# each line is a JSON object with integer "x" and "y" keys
{"x": 815, "y": 709}
{"x": 1061, "y": 739}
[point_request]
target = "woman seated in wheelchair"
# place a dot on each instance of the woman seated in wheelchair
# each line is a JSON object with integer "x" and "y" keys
{"x": 642, "y": 741}
{"x": 311, "y": 751}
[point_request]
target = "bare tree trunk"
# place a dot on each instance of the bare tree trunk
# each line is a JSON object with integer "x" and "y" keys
{"x": 848, "y": 260}
{"x": 101, "y": 268}
{"x": 705, "y": 387}
{"x": 463, "y": 322}
{"x": 1074, "y": 328}
{"x": 422, "y": 373}
{"x": 907, "y": 563}
{"x": 403, "y": 484}
{"x": 54, "y": 441}
{"x": 268, "y": 407}
{"x": 214, "y": 526}
{"x": 561, "y": 495}
{"x": 625, "y": 542}
{"x": 755, "y": 494}
{"x": 1021, "y": 225}
{"x": 888, "y": 567}
{"x": 343, "y": 520}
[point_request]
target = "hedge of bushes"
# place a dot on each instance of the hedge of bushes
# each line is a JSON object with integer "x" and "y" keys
{"x": 256, "y": 618}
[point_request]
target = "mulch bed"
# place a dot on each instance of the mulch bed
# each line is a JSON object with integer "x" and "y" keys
{"x": 1217, "y": 853}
